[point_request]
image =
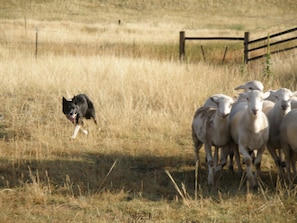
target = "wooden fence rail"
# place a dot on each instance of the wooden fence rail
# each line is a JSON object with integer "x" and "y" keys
{"x": 270, "y": 42}
{"x": 246, "y": 43}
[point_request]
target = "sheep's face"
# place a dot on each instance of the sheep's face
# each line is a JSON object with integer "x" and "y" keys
{"x": 224, "y": 105}
{"x": 283, "y": 99}
{"x": 255, "y": 101}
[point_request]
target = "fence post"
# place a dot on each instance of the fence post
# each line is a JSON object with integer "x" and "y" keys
{"x": 202, "y": 50}
{"x": 246, "y": 47}
{"x": 36, "y": 43}
{"x": 224, "y": 55}
{"x": 181, "y": 45}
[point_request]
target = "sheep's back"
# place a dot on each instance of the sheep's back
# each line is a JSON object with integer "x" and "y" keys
{"x": 288, "y": 129}
{"x": 203, "y": 120}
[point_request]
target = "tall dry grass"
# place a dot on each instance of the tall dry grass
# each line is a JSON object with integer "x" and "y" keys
{"x": 144, "y": 109}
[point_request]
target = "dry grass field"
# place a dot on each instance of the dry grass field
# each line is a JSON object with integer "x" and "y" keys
{"x": 145, "y": 99}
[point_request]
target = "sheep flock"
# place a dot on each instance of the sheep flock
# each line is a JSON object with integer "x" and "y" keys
{"x": 244, "y": 127}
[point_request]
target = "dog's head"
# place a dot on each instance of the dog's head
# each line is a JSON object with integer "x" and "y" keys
{"x": 70, "y": 109}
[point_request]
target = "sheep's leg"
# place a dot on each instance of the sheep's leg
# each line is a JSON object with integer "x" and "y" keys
{"x": 275, "y": 157}
{"x": 216, "y": 156}
{"x": 282, "y": 163}
{"x": 197, "y": 145}
{"x": 257, "y": 161}
{"x": 231, "y": 165}
{"x": 223, "y": 158}
{"x": 248, "y": 161}
{"x": 287, "y": 152}
{"x": 210, "y": 164}
{"x": 293, "y": 164}
{"x": 280, "y": 155}
{"x": 235, "y": 150}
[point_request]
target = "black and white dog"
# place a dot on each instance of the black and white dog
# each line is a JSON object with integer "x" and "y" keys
{"x": 78, "y": 108}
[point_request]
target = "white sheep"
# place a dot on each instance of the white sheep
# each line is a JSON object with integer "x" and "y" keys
{"x": 293, "y": 99}
{"x": 241, "y": 104}
{"x": 282, "y": 105}
{"x": 249, "y": 129}
{"x": 248, "y": 86}
{"x": 251, "y": 85}
{"x": 288, "y": 130}
{"x": 210, "y": 127}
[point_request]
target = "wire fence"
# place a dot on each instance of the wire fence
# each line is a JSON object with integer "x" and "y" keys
{"x": 115, "y": 39}
{"x": 89, "y": 41}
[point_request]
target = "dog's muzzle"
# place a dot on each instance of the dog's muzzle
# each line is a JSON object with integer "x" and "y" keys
{"x": 71, "y": 117}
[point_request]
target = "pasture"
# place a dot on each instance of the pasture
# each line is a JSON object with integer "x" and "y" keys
{"x": 145, "y": 99}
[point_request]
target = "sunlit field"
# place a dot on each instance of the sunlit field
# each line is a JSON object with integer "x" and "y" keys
{"x": 138, "y": 163}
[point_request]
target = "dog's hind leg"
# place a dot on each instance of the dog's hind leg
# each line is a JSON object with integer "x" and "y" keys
{"x": 77, "y": 128}
{"x": 84, "y": 131}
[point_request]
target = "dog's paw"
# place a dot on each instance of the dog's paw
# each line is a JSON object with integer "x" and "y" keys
{"x": 85, "y": 132}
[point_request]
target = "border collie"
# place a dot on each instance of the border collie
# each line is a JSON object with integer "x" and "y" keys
{"x": 78, "y": 108}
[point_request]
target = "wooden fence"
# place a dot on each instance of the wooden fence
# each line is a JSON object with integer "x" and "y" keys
{"x": 248, "y": 45}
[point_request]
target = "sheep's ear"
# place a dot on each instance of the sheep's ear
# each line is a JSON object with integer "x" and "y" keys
{"x": 214, "y": 99}
{"x": 272, "y": 95}
{"x": 266, "y": 94}
{"x": 294, "y": 94}
{"x": 272, "y": 92}
{"x": 240, "y": 87}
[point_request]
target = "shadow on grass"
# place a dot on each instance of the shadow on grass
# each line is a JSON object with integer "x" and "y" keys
{"x": 145, "y": 176}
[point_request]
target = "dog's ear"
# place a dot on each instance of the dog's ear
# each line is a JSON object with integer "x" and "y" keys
{"x": 64, "y": 105}
{"x": 74, "y": 100}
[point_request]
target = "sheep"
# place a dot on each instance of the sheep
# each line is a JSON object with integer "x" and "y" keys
{"x": 288, "y": 129}
{"x": 282, "y": 105}
{"x": 249, "y": 131}
{"x": 293, "y": 100}
{"x": 241, "y": 104}
{"x": 248, "y": 86}
{"x": 251, "y": 85}
{"x": 210, "y": 127}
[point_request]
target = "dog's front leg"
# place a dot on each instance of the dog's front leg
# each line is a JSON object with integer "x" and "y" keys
{"x": 77, "y": 128}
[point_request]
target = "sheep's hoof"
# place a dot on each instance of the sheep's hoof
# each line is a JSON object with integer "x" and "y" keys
{"x": 255, "y": 188}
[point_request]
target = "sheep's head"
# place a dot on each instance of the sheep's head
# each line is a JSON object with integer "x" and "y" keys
{"x": 282, "y": 98}
{"x": 224, "y": 104}
{"x": 250, "y": 86}
{"x": 255, "y": 101}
